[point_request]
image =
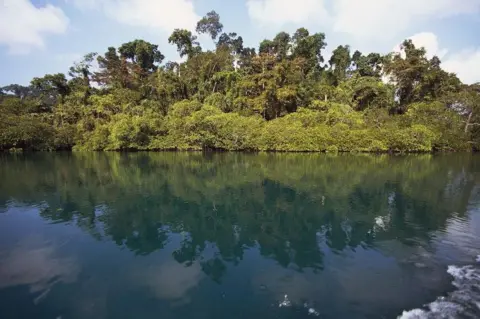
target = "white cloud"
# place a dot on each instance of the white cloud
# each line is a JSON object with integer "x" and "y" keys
{"x": 278, "y": 12}
{"x": 84, "y": 4}
{"x": 429, "y": 41}
{"x": 37, "y": 265}
{"x": 24, "y": 26}
{"x": 386, "y": 19}
{"x": 466, "y": 63}
{"x": 378, "y": 20}
{"x": 156, "y": 15}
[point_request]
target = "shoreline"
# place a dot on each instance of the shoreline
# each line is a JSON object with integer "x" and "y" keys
{"x": 240, "y": 151}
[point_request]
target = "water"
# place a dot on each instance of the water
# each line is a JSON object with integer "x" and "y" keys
{"x": 191, "y": 235}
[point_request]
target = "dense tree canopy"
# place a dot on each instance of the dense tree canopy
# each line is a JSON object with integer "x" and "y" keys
{"x": 284, "y": 96}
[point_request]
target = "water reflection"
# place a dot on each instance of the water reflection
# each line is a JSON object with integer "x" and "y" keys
{"x": 312, "y": 225}
{"x": 33, "y": 262}
{"x": 285, "y": 204}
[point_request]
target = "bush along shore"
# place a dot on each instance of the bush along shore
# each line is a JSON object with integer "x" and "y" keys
{"x": 282, "y": 96}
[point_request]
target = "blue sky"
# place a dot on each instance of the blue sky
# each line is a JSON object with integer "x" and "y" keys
{"x": 47, "y": 36}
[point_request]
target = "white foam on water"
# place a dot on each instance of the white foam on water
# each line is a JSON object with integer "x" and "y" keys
{"x": 478, "y": 259}
{"x": 463, "y": 302}
{"x": 413, "y": 314}
{"x": 381, "y": 223}
{"x": 313, "y": 312}
{"x": 285, "y": 302}
{"x": 464, "y": 273}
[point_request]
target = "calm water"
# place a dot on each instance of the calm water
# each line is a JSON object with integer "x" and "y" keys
{"x": 177, "y": 235}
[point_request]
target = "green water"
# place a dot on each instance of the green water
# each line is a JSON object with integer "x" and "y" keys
{"x": 192, "y": 235}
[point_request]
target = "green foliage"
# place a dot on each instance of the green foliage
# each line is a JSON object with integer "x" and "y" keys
{"x": 340, "y": 62}
{"x": 285, "y": 98}
{"x": 25, "y": 132}
{"x": 143, "y": 54}
{"x": 65, "y": 137}
{"x": 417, "y": 138}
{"x": 417, "y": 78}
{"x": 185, "y": 41}
{"x": 210, "y": 24}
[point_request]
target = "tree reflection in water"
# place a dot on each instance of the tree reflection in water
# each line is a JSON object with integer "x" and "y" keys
{"x": 291, "y": 207}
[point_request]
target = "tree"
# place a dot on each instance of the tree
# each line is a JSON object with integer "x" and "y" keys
{"x": 370, "y": 92}
{"x": 210, "y": 24}
{"x": 417, "y": 78}
{"x": 369, "y": 65}
{"x": 309, "y": 47}
{"x": 340, "y": 63}
{"x": 51, "y": 87}
{"x": 467, "y": 103}
{"x": 113, "y": 70}
{"x": 186, "y": 42}
{"x": 81, "y": 75}
{"x": 232, "y": 41}
{"x": 267, "y": 47}
{"x": 282, "y": 45}
{"x": 144, "y": 55}
{"x": 20, "y": 91}
{"x": 282, "y": 96}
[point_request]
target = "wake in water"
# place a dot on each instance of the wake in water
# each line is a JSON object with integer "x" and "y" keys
{"x": 287, "y": 303}
{"x": 464, "y": 302}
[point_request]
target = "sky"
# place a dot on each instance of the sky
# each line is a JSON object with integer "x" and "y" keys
{"x": 46, "y": 36}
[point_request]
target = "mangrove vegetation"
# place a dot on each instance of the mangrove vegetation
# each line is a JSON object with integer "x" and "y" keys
{"x": 285, "y": 95}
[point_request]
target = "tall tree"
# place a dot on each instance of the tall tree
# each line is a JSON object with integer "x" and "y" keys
{"x": 210, "y": 24}
{"x": 282, "y": 45}
{"x": 81, "y": 75}
{"x": 186, "y": 42}
{"x": 417, "y": 78}
{"x": 369, "y": 65}
{"x": 467, "y": 103}
{"x": 340, "y": 63}
{"x": 113, "y": 70}
{"x": 51, "y": 87}
{"x": 266, "y": 47}
{"x": 142, "y": 54}
{"x": 309, "y": 47}
{"x": 232, "y": 41}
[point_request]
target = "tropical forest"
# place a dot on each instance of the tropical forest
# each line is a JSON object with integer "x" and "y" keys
{"x": 285, "y": 95}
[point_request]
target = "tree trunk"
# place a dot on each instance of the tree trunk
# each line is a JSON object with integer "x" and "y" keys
{"x": 468, "y": 121}
{"x": 214, "y": 86}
